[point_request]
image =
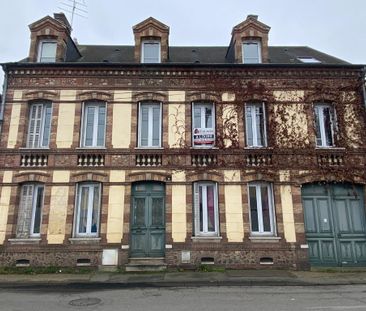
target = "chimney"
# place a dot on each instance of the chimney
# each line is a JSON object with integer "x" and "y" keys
{"x": 252, "y": 16}
{"x": 63, "y": 20}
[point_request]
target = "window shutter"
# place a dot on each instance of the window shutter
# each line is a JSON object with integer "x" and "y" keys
{"x": 35, "y": 126}
{"x": 89, "y": 125}
{"x": 46, "y": 125}
{"x": 317, "y": 127}
{"x": 156, "y": 126}
{"x": 196, "y": 201}
{"x": 101, "y": 125}
{"x": 249, "y": 125}
{"x": 144, "y": 127}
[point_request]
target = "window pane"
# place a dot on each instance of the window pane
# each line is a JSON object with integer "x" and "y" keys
{"x": 327, "y": 115}
{"x": 151, "y": 52}
{"x": 317, "y": 127}
{"x": 83, "y": 209}
{"x": 95, "y": 213}
{"x": 249, "y": 125}
{"x": 253, "y": 208}
{"x": 25, "y": 210}
{"x": 48, "y": 52}
{"x": 200, "y": 208}
{"x": 210, "y": 209}
{"x": 101, "y": 125}
{"x": 197, "y": 117}
{"x": 139, "y": 213}
{"x": 156, "y": 126}
{"x": 89, "y": 125}
{"x": 208, "y": 117}
{"x": 47, "y": 125}
{"x": 265, "y": 209}
{"x": 251, "y": 52}
{"x": 157, "y": 212}
{"x": 144, "y": 125}
{"x": 259, "y": 125}
{"x": 38, "y": 210}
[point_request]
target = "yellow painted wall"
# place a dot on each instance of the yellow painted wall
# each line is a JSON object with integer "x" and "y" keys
{"x": 117, "y": 176}
{"x": 292, "y": 96}
{"x": 287, "y": 208}
{"x": 353, "y": 128}
{"x": 179, "y": 218}
{"x": 122, "y": 96}
{"x": 291, "y": 122}
{"x": 176, "y": 125}
{"x": 121, "y": 129}
{"x": 234, "y": 213}
{"x": 233, "y": 207}
{"x": 230, "y": 124}
{"x": 228, "y": 97}
{"x": 4, "y": 204}
{"x": 115, "y": 214}
{"x": 14, "y": 120}
{"x": 177, "y": 96}
{"x": 66, "y": 119}
{"x": 58, "y": 208}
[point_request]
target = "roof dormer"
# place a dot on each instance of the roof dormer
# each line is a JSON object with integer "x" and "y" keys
{"x": 250, "y": 41}
{"x": 151, "y": 41}
{"x": 50, "y": 38}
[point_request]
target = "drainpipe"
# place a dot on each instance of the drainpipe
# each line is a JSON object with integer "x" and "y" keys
{"x": 5, "y": 87}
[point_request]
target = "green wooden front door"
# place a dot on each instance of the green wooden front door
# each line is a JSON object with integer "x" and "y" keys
{"x": 335, "y": 224}
{"x": 148, "y": 220}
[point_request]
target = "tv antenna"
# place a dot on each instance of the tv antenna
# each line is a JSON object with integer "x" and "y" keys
{"x": 74, "y": 7}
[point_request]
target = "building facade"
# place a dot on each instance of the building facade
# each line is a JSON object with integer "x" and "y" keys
{"x": 243, "y": 156}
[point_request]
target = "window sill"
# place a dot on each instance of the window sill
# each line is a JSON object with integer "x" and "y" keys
{"x": 207, "y": 239}
{"x": 24, "y": 241}
{"x": 37, "y": 148}
{"x": 258, "y": 148}
{"x": 149, "y": 148}
{"x": 84, "y": 240}
{"x": 91, "y": 148}
{"x": 265, "y": 239}
{"x": 329, "y": 148}
{"x": 204, "y": 148}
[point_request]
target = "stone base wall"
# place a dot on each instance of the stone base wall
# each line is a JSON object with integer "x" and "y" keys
{"x": 295, "y": 259}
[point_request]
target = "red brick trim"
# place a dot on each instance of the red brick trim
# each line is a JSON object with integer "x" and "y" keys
{"x": 89, "y": 176}
{"x": 147, "y": 176}
{"x": 94, "y": 95}
{"x": 32, "y": 177}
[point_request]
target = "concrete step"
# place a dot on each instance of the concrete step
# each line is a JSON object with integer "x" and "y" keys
{"x": 146, "y": 264}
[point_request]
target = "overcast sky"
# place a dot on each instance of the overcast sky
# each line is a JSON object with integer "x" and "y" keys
{"x": 336, "y": 27}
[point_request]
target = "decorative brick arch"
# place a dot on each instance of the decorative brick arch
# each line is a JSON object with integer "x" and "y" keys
{"x": 259, "y": 176}
{"x": 41, "y": 95}
{"x": 153, "y": 96}
{"x": 148, "y": 176}
{"x": 32, "y": 177}
{"x": 313, "y": 177}
{"x": 89, "y": 176}
{"x": 208, "y": 96}
{"x": 94, "y": 95}
{"x": 202, "y": 176}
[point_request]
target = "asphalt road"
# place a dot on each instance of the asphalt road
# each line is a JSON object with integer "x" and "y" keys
{"x": 273, "y": 298}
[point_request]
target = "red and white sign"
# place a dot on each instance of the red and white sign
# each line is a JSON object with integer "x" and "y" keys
{"x": 203, "y": 136}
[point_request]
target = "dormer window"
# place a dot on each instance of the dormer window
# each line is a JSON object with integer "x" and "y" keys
{"x": 252, "y": 52}
{"x": 47, "y": 51}
{"x": 150, "y": 51}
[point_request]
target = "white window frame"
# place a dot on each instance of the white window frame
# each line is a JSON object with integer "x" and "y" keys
{"x": 150, "y": 124}
{"x": 259, "y": 51}
{"x": 41, "y": 130}
{"x": 143, "y": 51}
{"x": 272, "y": 213}
{"x": 254, "y": 125}
{"x": 88, "y": 232}
{"x": 95, "y": 124}
{"x": 320, "y": 107}
{"x": 203, "y": 105}
{"x": 205, "y": 232}
{"x": 40, "y": 50}
{"x": 35, "y": 192}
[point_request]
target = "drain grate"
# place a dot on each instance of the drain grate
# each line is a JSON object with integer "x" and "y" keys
{"x": 84, "y": 302}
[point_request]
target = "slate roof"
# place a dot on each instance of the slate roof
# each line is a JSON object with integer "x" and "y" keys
{"x": 200, "y": 54}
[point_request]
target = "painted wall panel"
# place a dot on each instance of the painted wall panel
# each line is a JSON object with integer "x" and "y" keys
{"x": 115, "y": 214}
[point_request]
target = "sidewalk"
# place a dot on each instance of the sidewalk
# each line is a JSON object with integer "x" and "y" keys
{"x": 185, "y": 279}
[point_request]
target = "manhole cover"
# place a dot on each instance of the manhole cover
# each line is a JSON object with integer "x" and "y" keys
{"x": 83, "y": 302}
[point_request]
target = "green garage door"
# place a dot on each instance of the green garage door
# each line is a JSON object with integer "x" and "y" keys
{"x": 335, "y": 224}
